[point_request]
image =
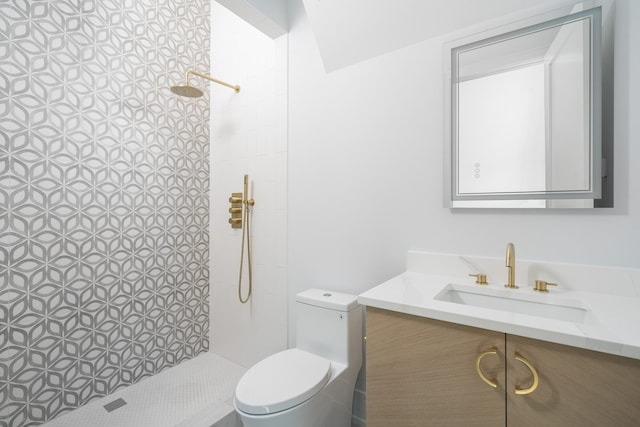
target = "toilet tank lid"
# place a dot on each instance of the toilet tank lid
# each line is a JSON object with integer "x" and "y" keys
{"x": 328, "y": 299}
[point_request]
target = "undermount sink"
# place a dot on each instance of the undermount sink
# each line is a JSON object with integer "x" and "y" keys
{"x": 521, "y": 301}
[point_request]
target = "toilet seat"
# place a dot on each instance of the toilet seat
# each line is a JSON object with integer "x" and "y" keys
{"x": 281, "y": 381}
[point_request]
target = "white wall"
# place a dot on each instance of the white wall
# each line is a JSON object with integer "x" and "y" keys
{"x": 365, "y": 170}
{"x": 248, "y": 136}
{"x": 348, "y": 32}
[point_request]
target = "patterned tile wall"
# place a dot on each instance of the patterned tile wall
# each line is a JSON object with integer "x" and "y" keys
{"x": 104, "y": 211}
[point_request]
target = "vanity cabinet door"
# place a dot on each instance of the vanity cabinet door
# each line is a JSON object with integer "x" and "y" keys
{"x": 422, "y": 372}
{"x": 576, "y": 387}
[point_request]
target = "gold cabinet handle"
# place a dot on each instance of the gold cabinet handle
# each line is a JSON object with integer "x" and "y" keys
{"x": 491, "y": 381}
{"x": 534, "y": 372}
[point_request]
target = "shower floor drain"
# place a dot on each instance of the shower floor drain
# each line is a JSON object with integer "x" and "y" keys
{"x": 112, "y": 406}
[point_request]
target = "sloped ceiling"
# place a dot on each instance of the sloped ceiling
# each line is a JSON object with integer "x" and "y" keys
{"x": 350, "y": 31}
{"x": 268, "y": 16}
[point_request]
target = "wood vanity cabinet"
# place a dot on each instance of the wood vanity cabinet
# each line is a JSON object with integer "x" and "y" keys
{"x": 577, "y": 387}
{"x": 422, "y": 372}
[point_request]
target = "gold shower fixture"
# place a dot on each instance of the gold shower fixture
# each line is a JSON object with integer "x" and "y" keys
{"x": 193, "y": 92}
{"x": 240, "y": 210}
{"x": 235, "y": 210}
{"x": 239, "y": 214}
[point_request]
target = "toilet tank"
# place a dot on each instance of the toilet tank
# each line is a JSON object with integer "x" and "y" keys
{"x": 329, "y": 324}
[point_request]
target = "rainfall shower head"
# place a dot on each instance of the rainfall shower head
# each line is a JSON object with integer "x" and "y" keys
{"x": 186, "y": 90}
{"x": 191, "y": 92}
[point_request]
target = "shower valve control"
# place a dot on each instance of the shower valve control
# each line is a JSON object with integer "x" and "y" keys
{"x": 235, "y": 210}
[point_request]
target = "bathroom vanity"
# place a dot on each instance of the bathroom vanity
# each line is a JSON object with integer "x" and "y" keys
{"x": 436, "y": 356}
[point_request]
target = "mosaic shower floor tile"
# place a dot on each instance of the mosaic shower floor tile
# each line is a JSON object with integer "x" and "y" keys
{"x": 195, "y": 393}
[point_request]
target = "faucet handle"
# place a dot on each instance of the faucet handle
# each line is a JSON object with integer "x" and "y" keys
{"x": 481, "y": 279}
{"x": 541, "y": 286}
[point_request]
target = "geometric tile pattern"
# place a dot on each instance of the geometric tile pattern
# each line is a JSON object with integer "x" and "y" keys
{"x": 104, "y": 198}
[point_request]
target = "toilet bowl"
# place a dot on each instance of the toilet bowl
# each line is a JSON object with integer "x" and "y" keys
{"x": 312, "y": 384}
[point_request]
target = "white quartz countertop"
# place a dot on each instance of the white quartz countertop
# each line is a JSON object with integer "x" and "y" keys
{"x": 611, "y": 323}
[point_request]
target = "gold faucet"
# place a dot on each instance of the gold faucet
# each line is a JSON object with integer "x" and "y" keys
{"x": 511, "y": 267}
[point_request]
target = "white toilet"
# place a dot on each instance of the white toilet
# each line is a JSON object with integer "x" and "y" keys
{"x": 311, "y": 385}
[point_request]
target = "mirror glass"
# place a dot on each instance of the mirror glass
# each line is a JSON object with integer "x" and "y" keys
{"x": 525, "y": 116}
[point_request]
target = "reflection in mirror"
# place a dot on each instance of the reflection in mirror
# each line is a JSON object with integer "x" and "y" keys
{"x": 525, "y": 116}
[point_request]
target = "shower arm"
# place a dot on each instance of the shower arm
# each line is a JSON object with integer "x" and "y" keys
{"x": 204, "y": 76}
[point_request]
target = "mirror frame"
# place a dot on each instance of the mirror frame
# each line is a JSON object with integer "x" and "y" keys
{"x": 582, "y": 198}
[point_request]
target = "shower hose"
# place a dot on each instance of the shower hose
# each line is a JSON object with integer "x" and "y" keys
{"x": 245, "y": 231}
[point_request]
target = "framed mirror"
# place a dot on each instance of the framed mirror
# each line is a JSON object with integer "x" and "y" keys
{"x": 523, "y": 110}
